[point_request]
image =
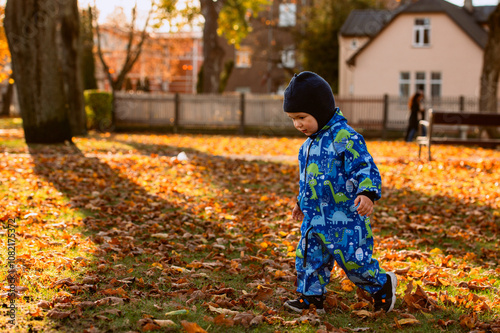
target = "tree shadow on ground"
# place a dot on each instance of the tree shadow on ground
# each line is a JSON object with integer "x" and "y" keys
{"x": 123, "y": 215}
{"x": 127, "y": 200}
{"x": 121, "y": 218}
{"x": 427, "y": 221}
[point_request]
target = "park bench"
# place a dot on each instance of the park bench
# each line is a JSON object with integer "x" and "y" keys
{"x": 456, "y": 119}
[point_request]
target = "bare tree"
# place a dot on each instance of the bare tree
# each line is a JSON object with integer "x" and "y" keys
{"x": 43, "y": 39}
{"x": 132, "y": 54}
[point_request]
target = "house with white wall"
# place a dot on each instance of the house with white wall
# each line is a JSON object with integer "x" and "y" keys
{"x": 429, "y": 45}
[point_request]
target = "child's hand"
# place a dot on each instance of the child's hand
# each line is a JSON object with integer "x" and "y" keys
{"x": 365, "y": 205}
{"x": 297, "y": 213}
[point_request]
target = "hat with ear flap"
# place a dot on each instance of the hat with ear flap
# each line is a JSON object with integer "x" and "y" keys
{"x": 309, "y": 93}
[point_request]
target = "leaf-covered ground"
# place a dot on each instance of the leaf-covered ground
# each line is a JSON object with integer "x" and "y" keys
{"x": 115, "y": 234}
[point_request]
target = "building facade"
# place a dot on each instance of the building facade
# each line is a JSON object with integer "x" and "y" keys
{"x": 428, "y": 45}
{"x": 169, "y": 62}
{"x": 267, "y": 58}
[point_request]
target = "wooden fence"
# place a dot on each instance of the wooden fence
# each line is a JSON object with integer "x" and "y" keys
{"x": 246, "y": 111}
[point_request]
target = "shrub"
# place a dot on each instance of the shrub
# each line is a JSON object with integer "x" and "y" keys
{"x": 98, "y": 106}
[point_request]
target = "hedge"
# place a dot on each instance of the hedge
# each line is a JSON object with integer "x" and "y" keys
{"x": 99, "y": 107}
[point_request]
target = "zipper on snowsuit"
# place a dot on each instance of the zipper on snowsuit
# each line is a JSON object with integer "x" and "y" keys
{"x": 305, "y": 180}
{"x": 305, "y": 247}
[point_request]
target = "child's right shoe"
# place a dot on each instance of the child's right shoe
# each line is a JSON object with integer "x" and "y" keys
{"x": 304, "y": 301}
{"x": 385, "y": 298}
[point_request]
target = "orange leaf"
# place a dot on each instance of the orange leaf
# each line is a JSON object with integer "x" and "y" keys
{"x": 347, "y": 285}
{"x": 222, "y": 320}
{"x": 192, "y": 327}
{"x": 150, "y": 327}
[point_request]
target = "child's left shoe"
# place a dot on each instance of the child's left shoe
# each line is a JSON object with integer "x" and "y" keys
{"x": 304, "y": 301}
{"x": 385, "y": 298}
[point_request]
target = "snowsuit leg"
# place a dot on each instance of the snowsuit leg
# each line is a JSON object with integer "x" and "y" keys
{"x": 352, "y": 248}
{"x": 314, "y": 275}
{"x": 353, "y": 253}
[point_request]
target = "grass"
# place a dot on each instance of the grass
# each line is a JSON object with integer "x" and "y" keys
{"x": 120, "y": 217}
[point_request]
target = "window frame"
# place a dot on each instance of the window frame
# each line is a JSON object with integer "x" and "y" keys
{"x": 288, "y": 58}
{"x": 420, "y": 82}
{"x": 436, "y": 82}
{"x": 403, "y": 82}
{"x": 421, "y": 32}
{"x": 287, "y": 15}
{"x": 244, "y": 52}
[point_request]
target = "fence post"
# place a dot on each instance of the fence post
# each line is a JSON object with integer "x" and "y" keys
{"x": 242, "y": 114}
{"x": 150, "y": 109}
{"x": 177, "y": 104}
{"x": 386, "y": 116}
{"x": 462, "y": 128}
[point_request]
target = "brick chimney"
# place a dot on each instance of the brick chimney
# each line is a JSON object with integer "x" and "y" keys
{"x": 468, "y": 6}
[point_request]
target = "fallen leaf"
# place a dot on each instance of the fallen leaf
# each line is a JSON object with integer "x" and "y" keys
{"x": 55, "y": 314}
{"x": 165, "y": 323}
{"x": 192, "y": 327}
{"x": 222, "y": 310}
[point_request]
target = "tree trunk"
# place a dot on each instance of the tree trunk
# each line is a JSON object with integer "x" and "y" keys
{"x": 491, "y": 69}
{"x": 213, "y": 53}
{"x": 88, "y": 59}
{"x": 70, "y": 62}
{"x": 49, "y": 94}
{"x": 7, "y": 100}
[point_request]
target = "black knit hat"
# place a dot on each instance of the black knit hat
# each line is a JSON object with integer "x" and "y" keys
{"x": 309, "y": 93}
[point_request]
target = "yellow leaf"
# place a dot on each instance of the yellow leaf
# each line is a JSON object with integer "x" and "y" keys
{"x": 408, "y": 321}
{"x": 165, "y": 323}
{"x": 436, "y": 251}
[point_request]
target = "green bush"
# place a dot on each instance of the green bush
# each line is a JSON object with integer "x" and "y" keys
{"x": 98, "y": 106}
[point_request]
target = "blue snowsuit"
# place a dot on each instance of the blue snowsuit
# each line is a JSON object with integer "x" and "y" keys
{"x": 335, "y": 167}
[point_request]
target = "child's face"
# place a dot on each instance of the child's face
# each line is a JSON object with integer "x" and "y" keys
{"x": 304, "y": 122}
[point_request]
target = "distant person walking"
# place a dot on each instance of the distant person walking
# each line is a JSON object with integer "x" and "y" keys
{"x": 416, "y": 108}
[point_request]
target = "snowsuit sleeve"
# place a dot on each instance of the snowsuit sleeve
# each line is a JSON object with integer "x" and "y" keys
{"x": 360, "y": 167}
{"x": 301, "y": 174}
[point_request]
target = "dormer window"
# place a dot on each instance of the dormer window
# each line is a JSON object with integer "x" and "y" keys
{"x": 422, "y": 32}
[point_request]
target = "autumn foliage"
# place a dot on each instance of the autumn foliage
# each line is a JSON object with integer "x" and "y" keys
{"x": 115, "y": 233}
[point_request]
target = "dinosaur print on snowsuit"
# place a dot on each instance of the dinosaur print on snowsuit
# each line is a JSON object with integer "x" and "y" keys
{"x": 332, "y": 229}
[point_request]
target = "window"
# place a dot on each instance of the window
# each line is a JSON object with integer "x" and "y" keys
{"x": 287, "y": 15}
{"x": 435, "y": 85}
{"x": 354, "y": 44}
{"x": 422, "y": 32}
{"x": 243, "y": 57}
{"x": 404, "y": 84}
{"x": 420, "y": 81}
{"x": 288, "y": 58}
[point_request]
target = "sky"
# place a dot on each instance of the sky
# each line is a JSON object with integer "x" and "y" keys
{"x": 107, "y": 7}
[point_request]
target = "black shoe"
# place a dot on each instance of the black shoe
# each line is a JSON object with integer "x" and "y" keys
{"x": 303, "y": 302}
{"x": 385, "y": 298}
